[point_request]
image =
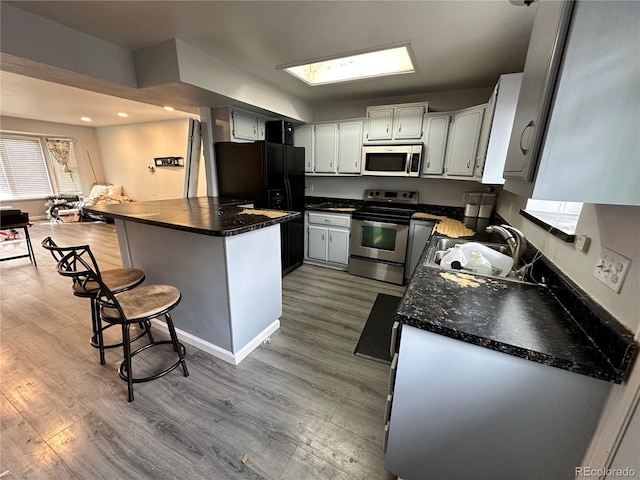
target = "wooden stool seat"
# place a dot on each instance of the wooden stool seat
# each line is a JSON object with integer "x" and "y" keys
{"x": 117, "y": 279}
{"x": 148, "y": 301}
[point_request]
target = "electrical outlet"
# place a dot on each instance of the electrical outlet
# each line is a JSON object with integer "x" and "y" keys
{"x": 611, "y": 269}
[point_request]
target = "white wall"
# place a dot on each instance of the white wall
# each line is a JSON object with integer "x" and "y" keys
{"x": 128, "y": 151}
{"x": 612, "y": 226}
{"x": 431, "y": 191}
{"x": 86, "y": 145}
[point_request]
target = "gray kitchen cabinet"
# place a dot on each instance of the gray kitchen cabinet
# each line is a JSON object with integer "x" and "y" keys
{"x": 244, "y": 126}
{"x": 458, "y": 410}
{"x": 326, "y": 147}
{"x": 538, "y": 82}
{"x": 591, "y": 148}
{"x": 303, "y": 137}
{"x": 317, "y": 244}
{"x": 419, "y": 234}
{"x": 408, "y": 122}
{"x": 327, "y": 239}
{"x": 380, "y": 123}
{"x": 338, "y": 246}
{"x": 436, "y": 137}
{"x": 395, "y": 123}
{"x": 497, "y": 126}
{"x": 236, "y": 125}
{"x": 462, "y": 146}
{"x": 349, "y": 146}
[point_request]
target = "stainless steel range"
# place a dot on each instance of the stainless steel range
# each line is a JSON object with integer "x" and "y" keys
{"x": 379, "y": 235}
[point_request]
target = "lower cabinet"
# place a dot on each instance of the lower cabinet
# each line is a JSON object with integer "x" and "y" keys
{"x": 457, "y": 410}
{"x": 327, "y": 239}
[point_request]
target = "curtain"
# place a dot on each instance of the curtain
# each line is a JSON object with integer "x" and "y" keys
{"x": 59, "y": 150}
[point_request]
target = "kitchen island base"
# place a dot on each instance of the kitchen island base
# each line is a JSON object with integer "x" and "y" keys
{"x": 231, "y": 285}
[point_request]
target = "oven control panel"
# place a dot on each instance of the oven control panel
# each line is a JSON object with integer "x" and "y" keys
{"x": 391, "y": 196}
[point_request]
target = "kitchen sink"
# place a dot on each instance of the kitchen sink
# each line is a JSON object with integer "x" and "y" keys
{"x": 444, "y": 244}
{"x": 440, "y": 246}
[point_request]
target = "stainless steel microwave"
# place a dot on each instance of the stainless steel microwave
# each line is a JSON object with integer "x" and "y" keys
{"x": 392, "y": 160}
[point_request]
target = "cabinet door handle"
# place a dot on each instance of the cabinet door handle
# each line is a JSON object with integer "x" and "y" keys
{"x": 387, "y": 130}
{"x": 323, "y": 236}
{"x": 254, "y": 130}
{"x": 522, "y": 149}
{"x": 355, "y": 164}
{"x": 468, "y": 163}
{"x": 330, "y": 164}
{"x": 394, "y": 338}
{"x": 330, "y": 238}
{"x": 399, "y": 128}
{"x": 428, "y": 163}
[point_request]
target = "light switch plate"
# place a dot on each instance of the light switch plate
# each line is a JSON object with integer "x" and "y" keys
{"x": 611, "y": 269}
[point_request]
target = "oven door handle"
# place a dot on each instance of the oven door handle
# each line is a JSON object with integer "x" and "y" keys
{"x": 374, "y": 223}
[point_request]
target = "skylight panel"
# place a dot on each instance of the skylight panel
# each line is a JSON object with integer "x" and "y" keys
{"x": 388, "y": 61}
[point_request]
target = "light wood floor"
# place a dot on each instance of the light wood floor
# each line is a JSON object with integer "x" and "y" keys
{"x": 300, "y": 407}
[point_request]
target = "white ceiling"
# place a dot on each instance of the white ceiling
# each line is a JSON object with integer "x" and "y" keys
{"x": 457, "y": 45}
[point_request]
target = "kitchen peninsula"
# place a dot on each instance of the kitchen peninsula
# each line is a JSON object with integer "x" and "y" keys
{"x": 224, "y": 259}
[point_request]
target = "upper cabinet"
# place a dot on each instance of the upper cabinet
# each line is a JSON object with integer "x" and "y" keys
{"x": 408, "y": 122}
{"x": 395, "y": 123}
{"x": 326, "y": 147}
{"x": 540, "y": 71}
{"x": 497, "y": 126}
{"x": 231, "y": 124}
{"x": 591, "y": 150}
{"x": 349, "y": 146}
{"x": 436, "y": 137}
{"x": 464, "y": 134}
{"x": 379, "y": 123}
{"x": 331, "y": 148}
{"x": 244, "y": 126}
{"x": 585, "y": 149}
{"x": 303, "y": 137}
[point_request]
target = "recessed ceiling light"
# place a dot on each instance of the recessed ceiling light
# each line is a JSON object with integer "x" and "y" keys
{"x": 168, "y": 108}
{"x": 123, "y": 115}
{"x": 388, "y": 61}
{"x": 85, "y": 119}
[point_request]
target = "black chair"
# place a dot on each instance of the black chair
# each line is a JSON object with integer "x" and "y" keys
{"x": 117, "y": 279}
{"x": 138, "y": 305}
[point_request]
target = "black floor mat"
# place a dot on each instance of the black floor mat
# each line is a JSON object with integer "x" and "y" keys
{"x": 376, "y": 334}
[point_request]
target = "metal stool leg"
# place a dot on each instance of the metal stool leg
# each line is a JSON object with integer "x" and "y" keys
{"x": 97, "y": 330}
{"x": 32, "y": 255}
{"x": 176, "y": 344}
{"x": 127, "y": 359}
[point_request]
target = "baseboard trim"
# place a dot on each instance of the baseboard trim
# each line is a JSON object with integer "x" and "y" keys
{"x": 221, "y": 353}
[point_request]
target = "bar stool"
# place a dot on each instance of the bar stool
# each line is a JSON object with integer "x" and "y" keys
{"x": 137, "y": 305}
{"x": 117, "y": 279}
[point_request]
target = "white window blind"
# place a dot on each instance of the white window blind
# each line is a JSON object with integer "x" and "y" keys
{"x": 24, "y": 172}
{"x": 30, "y": 171}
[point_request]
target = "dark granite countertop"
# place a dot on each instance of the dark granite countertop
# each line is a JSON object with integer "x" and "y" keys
{"x": 330, "y": 204}
{"x": 216, "y": 216}
{"x": 522, "y": 319}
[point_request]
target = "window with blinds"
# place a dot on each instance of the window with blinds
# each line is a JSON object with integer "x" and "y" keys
{"x": 27, "y": 171}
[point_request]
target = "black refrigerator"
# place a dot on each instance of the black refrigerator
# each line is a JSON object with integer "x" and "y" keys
{"x": 272, "y": 176}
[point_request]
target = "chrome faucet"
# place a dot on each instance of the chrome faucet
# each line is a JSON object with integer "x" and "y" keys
{"x": 515, "y": 239}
